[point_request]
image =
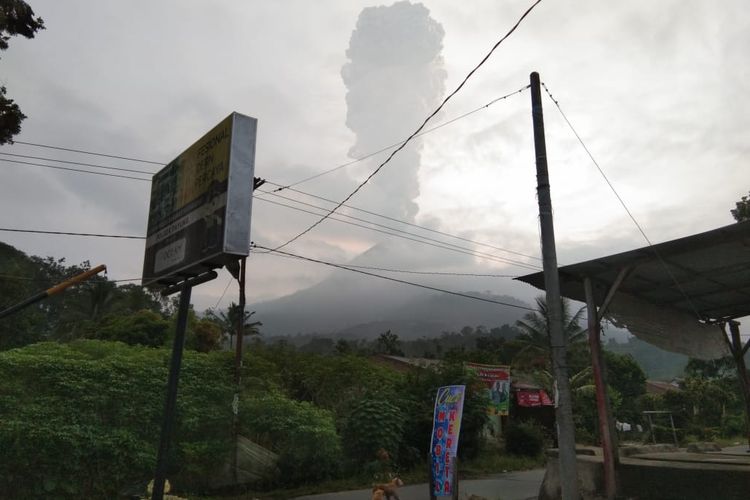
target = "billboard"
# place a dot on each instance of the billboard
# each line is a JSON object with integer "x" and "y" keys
{"x": 201, "y": 202}
{"x": 497, "y": 380}
{"x": 446, "y": 426}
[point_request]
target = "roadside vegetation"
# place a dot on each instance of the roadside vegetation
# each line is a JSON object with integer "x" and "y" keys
{"x": 84, "y": 376}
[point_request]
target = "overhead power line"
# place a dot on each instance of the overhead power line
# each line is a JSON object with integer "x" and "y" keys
{"x": 417, "y": 131}
{"x": 93, "y": 235}
{"x": 37, "y": 145}
{"x": 404, "y": 271}
{"x": 400, "y": 233}
{"x": 396, "y": 280}
{"x": 435, "y": 231}
{"x": 622, "y": 202}
{"x": 75, "y": 170}
{"x": 121, "y": 236}
{"x": 280, "y": 186}
{"x": 396, "y": 144}
{"x": 78, "y": 163}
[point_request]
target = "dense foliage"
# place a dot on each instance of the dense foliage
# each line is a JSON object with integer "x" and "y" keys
{"x": 84, "y": 376}
{"x": 525, "y": 439}
{"x": 302, "y": 434}
{"x": 16, "y": 18}
{"x": 82, "y": 420}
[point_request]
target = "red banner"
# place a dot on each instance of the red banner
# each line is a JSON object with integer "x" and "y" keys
{"x": 533, "y": 397}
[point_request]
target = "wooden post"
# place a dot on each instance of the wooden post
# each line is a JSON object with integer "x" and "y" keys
{"x": 606, "y": 425}
{"x": 563, "y": 407}
{"x": 651, "y": 426}
{"x": 674, "y": 432}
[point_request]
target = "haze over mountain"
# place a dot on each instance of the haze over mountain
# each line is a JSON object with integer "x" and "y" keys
{"x": 394, "y": 78}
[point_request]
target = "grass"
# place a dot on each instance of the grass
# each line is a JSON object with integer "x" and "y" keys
{"x": 491, "y": 461}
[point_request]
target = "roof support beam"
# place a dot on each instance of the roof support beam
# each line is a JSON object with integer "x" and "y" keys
{"x": 738, "y": 350}
{"x": 607, "y": 434}
{"x": 612, "y": 290}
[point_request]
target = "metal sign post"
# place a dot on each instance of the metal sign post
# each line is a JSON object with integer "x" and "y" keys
{"x": 199, "y": 220}
{"x": 170, "y": 405}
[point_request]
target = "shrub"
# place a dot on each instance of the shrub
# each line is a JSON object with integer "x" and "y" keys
{"x": 304, "y": 436}
{"x": 525, "y": 439}
{"x": 141, "y": 328}
{"x": 416, "y": 397}
{"x": 373, "y": 424}
{"x": 82, "y": 420}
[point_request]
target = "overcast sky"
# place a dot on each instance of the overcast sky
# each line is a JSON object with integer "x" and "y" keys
{"x": 657, "y": 90}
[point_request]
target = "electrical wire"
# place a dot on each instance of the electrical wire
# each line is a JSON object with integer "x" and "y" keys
{"x": 88, "y": 152}
{"x": 223, "y": 294}
{"x": 388, "y": 278}
{"x": 78, "y": 163}
{"x": 458, "y": 249}
{"x": 75, "y": 170}
{"x": 405, "y": 222}
{"x": 280, "y": 186}
{"x": 405, "y": 271}
{"x": 418, "y": 130}
{"x": 387, "y": 148}
{"x": 442, "y": 244}
{"x": 622, "y": 202}
{"x": 94, "y": 235}
{"x": 321, "y": 208}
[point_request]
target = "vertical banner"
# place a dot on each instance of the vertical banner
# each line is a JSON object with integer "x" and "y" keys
{"x": 446, "y": 426}
{"x": 497, "y": 380}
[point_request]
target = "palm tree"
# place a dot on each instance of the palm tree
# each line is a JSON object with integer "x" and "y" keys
{"x": 228, "y": 322}
{"x": 535, "y": 337}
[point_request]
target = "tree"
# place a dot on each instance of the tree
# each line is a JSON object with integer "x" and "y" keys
{"x": 535, "y": 336}
{"x": 16, "y": 18}
{"x": 710, "y": 369}
{"x": 206, "y": 336}
{"x": 629, "y": 380}
{"x": 742, "y": 212}
{"x": 388, "y": 343}
{"x": 228, "y": 321}
{"x": 145, "y": 328}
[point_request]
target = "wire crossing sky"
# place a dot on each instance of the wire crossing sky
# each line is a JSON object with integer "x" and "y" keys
{"x": 656, "y": 91}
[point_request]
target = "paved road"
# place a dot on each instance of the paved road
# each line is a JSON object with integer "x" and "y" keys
{"x": 522, "y": 485}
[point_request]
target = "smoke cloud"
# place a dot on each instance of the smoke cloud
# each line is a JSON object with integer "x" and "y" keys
{"x": 394, "y": 79}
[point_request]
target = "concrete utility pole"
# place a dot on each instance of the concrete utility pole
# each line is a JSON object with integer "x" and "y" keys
{"x": 563, "y": 407}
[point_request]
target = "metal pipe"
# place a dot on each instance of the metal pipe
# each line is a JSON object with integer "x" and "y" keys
{"x": 171, "y": 403}
{"x": 53, "y": 290}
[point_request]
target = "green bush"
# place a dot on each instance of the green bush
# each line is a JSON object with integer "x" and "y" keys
{"x": 372, "y": 425}
{"x": 141, "y": 328}
{"x": 733, "y": 425}
{"x": 524, "y": 439}
{"x": 304, "y": 436}
{"x": 416, "y": 397}
{"x": 82, "y": 420}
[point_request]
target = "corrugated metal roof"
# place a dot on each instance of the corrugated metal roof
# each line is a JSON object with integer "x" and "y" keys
{"x": 712, "y": 269}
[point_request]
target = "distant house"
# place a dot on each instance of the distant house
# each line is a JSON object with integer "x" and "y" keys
{"x": 403, "y": 364}
{"x": 658, "y": 387}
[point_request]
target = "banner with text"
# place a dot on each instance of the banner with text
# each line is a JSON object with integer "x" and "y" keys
{"x": 497, "y": 380}
{"x": 449, "y": 406}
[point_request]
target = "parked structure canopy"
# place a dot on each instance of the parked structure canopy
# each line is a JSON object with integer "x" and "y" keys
{"x": 706, "y": 275}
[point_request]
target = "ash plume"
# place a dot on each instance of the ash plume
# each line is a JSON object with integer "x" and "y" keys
{"x": 394, "y": 79}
